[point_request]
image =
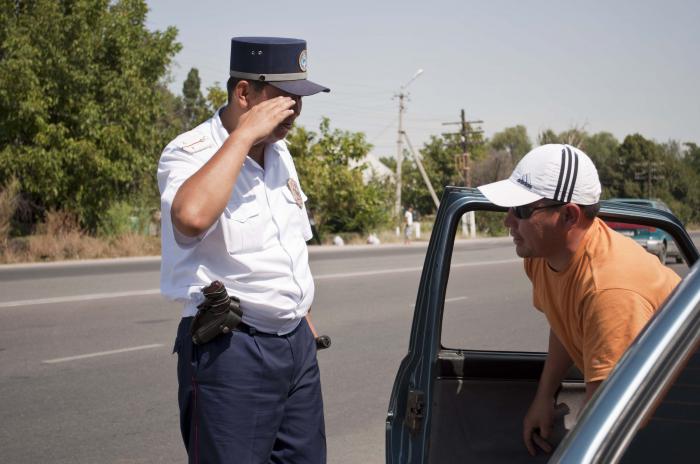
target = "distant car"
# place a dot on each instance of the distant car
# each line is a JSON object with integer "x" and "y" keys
{"x": 465, "y": 403}
{"x": 652, "y": 239}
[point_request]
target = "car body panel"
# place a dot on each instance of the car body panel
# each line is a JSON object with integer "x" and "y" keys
{"x": 410, "y": 412}
{"x": 655, "y": 240}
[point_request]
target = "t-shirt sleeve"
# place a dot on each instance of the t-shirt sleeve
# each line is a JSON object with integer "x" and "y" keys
{"x": 611, "y": 321}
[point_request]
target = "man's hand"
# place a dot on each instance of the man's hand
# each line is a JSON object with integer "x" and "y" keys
{"x": 537, "y": 424}
{"x": 262, "y": 119}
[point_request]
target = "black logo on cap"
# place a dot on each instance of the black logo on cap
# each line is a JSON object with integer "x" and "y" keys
{"x": 525, "y": 180}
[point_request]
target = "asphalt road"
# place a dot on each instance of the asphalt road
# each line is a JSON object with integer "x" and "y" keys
{"x": 87, "y": 375}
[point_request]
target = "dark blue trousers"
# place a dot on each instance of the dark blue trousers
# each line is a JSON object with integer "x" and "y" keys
{"x": 250, "y": 397}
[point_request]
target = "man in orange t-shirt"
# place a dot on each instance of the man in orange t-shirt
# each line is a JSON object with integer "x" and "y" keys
{"x": 597, "y": 288}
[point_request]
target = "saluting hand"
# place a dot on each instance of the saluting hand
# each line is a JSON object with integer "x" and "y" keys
{"x": 262, "y": 119}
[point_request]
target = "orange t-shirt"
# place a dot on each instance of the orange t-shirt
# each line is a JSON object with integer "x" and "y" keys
{"x": 603, "y": 299}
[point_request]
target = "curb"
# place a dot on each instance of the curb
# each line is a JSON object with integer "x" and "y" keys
{"x": 313, "y": 250}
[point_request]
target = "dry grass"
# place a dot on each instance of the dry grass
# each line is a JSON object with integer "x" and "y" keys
{"x": 60, "y": 238}
{"x": 135, "y": 245}
{"x": 76, "y": 245}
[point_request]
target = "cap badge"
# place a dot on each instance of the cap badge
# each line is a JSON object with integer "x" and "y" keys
{"x": 302, "y": 60}
{"x": 525, "y": 180}
{"x": 296, "y": 193}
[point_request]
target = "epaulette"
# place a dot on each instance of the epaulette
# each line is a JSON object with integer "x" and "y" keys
{"x": 194, "y": 141}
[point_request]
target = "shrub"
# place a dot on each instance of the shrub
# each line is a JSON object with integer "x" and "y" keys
{"x": 116, "y": 220}
{"x": 9, "y": 196}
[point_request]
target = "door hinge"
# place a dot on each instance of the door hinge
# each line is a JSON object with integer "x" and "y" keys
{"x": 415, "y": 409}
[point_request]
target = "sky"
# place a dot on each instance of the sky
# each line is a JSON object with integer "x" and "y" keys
{"x": 623, "y": 67}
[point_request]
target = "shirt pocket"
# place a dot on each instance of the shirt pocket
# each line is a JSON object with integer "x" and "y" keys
{"x": 298, "y": 219}
{"x": 242, "y": 227}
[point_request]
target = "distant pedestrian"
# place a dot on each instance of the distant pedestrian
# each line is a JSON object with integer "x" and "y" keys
{"x": 407, "y": 225}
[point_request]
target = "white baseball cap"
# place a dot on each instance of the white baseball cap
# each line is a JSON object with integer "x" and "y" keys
{"x": 554, "y": 171}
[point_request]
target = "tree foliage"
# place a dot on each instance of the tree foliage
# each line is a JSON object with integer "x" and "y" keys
{"x": 512, "y": 140}
{"x": 439, "y": 156}
{"x": 85, "y": 113}
{"x": 82, "y": 105}
{"x": 195, "y": 107}
{"x": 331, "y": 173}
{"x": 216, "y": 97}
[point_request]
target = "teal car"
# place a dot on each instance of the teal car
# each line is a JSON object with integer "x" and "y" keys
{"x": 656, "y": 241}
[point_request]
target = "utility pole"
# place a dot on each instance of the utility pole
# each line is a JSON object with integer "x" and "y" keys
{"x": 463, "y": 166}
{"x": 648, "y": 171}
{"x": 423, "y": 174}
{"x": 399, "y": 146}
{"x": 399, "y": 156}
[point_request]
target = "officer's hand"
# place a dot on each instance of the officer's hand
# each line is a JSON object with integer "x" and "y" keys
{"x": 537, "y": 424}
{"x": 262, "y": 119}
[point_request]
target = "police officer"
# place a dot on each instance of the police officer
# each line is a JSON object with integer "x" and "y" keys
{"x": 233, "y": 211}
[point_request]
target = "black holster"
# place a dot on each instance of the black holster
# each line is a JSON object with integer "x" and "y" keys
{"x": 219, "y": 313}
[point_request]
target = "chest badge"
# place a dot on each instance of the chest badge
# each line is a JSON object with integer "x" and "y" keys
{"x": 296, "y": 193}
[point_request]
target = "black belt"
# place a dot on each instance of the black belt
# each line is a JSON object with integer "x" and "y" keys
{"x": 250, "y": 330}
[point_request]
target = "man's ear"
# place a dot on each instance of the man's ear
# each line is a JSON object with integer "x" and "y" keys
{"x": 571, "y": 214}
{"x": 241, "y": 94}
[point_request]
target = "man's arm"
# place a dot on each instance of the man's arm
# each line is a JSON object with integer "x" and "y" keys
{"x": 591, "y": 387}
{"x": 537, "y": 423}
{"x": 201, "y": 199}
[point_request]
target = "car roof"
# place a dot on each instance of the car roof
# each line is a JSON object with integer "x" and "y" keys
{"x": 643, "y": 202}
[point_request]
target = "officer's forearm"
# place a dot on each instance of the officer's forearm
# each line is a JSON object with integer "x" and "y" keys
{"x": 311, "y": 325}
{"x": 201, "y": 199}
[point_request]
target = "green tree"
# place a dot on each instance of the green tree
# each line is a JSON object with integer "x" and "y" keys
{"x": 691, "y": 157}
{"x": 216, "y": 97}
{"x": 686, "y": 185}
{"x": 639, "y": 166}
{"x": 602, "y": 149}
{"x": 512, "y": 140}
{"x": 332, "y": 175}
{"x": 81, "y": 102}
{"x": 195, "y": 105}
{"x": 574, "y": 136}
{"x": 439, "y": 158}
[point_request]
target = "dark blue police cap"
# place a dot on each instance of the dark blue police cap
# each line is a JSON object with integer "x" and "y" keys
{"x": 278, "y": 61}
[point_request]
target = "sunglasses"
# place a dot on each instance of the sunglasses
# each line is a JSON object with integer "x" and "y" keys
{"x": 524, "y": 212}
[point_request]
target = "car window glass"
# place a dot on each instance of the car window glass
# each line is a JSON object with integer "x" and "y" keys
{"x": 653, "y": 239}
{"x": 488, "y": 303}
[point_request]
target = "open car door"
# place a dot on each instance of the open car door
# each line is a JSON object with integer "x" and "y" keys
{"x": 463, "y": 400}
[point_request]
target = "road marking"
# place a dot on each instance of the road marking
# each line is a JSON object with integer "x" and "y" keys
{"x": 410, "y": 269}
{"x": 102, "y": 353}
{"x": 69, "y": 299}
{"x": 155, "y": 291}
{"x": 447, "y": 300}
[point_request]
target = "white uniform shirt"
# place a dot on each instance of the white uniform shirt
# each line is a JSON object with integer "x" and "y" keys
{"x": 257, "y": 247}
{"x": 409, "y": 218}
